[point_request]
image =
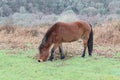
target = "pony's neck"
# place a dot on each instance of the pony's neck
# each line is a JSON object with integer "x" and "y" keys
{"x": 48, "y": 44}
{"x": 47, "y": 40}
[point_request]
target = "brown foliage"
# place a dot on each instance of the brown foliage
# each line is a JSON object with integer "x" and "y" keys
{"x": 20, "y": 37}
{"x": 108, "y": 33}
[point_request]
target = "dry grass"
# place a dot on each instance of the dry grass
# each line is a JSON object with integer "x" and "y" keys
{"x": 108, "y": 33}
{"x": 19, "y": 37}
{"x": 30, "y": 38}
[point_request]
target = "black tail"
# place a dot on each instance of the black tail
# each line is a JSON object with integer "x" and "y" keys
{"x": 90, "y": 41}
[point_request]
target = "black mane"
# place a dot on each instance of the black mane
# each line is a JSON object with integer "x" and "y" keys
{"x": 45, "y": 38}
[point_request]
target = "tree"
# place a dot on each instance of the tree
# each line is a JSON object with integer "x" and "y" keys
{"x": 90, "y": 11}
{"x": 6, "y": 10}
{"x": 1, "y": 11}
{"x": 22, "y": 9}
{"x": 114, "y": 6}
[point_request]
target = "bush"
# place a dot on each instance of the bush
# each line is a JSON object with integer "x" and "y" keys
{"x": 68, "y": 16}
{"x": 48, "y": 19}
{"x": 22, "y": 9}
{"x": 112, "y": 17}
{"x": 90, "y": 11}
{"x": 1, "y": 21}
{"x": 102, "y": 11}
{"x": 6, "y": 10}
{"x": 99, "y": 5}
{"x": 114, "y": 6}
{"x": 25, "y": 19}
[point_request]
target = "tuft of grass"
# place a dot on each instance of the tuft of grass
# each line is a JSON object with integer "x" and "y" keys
{"x": 22, "y": 66}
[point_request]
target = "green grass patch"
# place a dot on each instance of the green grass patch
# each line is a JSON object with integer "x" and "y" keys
{"x": 21, "y": 66}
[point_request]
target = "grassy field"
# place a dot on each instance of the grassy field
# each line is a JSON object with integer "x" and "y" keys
{"x": 18, "y": 49}
{"x": 20, "y": 65}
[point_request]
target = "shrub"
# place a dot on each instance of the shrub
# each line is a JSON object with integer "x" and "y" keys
{"x": 68, "y": 16}
{"x": 112, "y": 17}
{"x": 90, "y": 11}
{"x": 114, "y": 6}
{"x": 6, "y": 10}
{"x": 108, "y": 32}
{"x": 99, "y": 5}
{"x": 48, "y": 19}
{"x": 102, "y": 11}
{"x": 22, "y": 9}
{"x": 25, "y": 19}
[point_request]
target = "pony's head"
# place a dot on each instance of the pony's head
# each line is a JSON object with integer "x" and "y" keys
{"x": 45, "y": 46}
{"x": 43, "y": 53}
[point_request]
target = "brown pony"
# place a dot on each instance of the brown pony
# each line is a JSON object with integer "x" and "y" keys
{"x": 65, "y": 32}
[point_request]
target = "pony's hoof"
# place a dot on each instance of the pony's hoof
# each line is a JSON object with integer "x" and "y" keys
{"x": 62, "y": 57}
{"x": 90, "y": 55}
{"x": 50, "y": 59}
{"x": 83, "y": 56}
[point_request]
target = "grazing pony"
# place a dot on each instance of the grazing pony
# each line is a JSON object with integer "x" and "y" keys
{"x": 65, "y": 32}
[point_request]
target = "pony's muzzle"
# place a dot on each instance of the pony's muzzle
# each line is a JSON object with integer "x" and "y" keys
{"x": 40, "y": 60}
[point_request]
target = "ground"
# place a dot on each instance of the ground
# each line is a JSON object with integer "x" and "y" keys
{"x": 18, "y": 58}
{"x": 22, "y": 66}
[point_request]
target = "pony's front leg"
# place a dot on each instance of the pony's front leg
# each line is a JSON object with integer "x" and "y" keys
{"x": 62, "y": 56}
{"x": 52, "y": 54}
{"x": 53, "y": 51}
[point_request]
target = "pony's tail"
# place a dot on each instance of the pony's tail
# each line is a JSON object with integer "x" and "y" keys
{"x": 90, "y": 41}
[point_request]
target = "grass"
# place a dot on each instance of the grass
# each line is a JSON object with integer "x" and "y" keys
{"x": 21, "y": 66}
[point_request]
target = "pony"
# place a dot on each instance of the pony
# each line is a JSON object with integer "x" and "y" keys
{"x": 65, "y": 32}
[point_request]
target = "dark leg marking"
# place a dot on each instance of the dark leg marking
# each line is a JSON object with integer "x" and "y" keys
{"x": 52, "y": 55}
{"x": 83, "y": 54}
{"x": 62, "y": 56}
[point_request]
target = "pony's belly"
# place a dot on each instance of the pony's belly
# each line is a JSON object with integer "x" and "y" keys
{"x": 70, "y": 38}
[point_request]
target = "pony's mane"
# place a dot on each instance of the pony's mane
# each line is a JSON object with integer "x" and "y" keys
{"x": 48, "y": 33}
{"x": 45, "y": 37}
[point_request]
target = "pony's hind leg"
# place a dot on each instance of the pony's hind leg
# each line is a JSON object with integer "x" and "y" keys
{"x": 62, "y": 56}
{"x": 85, "y": 40}
{"x": 90, "y": 43}
{"x": 52, "y": 52}
{"x": 83, "y": 54}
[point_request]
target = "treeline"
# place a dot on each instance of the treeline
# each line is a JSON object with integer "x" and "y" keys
{"x": 87, "y": 8}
